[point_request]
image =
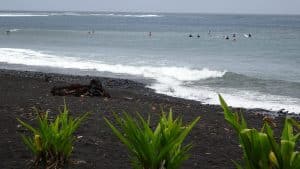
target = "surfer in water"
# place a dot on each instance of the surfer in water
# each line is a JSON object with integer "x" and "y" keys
{"x": 190, "y": 35}
{"x": 150, "y": 34}
{"x": 198, "y": 36}
{"x": 7, "y": 32}
{"x": 249, "y": 35}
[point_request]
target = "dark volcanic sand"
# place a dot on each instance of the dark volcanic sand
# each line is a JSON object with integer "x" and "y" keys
{"x": 215, "y": 145}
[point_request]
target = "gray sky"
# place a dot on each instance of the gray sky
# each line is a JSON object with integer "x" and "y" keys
{"x": 198, "y": 6}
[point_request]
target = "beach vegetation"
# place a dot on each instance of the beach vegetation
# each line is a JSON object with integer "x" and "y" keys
{"x": 260, "y": 147}
{"x": 158, "y": 148}
{"x": 51, "y": 141}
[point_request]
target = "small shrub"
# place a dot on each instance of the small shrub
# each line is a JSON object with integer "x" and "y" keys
{"x": 154, "y": 149}
{"x": 52, "y": 142}
{"x": 260, "y": 149}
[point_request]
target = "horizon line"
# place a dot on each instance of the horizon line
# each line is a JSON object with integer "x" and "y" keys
{"x": 127, "y": 11}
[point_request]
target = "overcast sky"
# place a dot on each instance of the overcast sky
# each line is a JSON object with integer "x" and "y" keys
{"x": 198, "y": 6}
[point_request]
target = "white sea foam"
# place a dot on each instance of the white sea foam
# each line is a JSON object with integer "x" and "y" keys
{"x": 14, "y": 30}
{"x": 128, "y": 15}
{"x": 170, "y": 80}
{"x": 105, "y": 14}
{"x": 20, "y": 15}
{"x": 78, "y": 14}
{"x": 162, "y": 74}
{"x": 235, "y": 98}
{"x": 66, "y": 14}
{"x": 140, "y": 16}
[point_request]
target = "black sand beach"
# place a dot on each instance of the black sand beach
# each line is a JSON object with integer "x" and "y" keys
{"x": 215, "y": 144}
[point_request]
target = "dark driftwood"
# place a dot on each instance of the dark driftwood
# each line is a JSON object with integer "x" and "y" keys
{"x": 93, "y": 89}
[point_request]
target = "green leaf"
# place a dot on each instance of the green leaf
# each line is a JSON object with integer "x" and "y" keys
{"x": 54, "y": 139}
{"x": 153, "y": 149}
{"x": 260, "y": 149}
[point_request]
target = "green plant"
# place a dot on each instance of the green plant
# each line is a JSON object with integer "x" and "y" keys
{"x": 154, "y": 149}
{"x": 260, "y": 149}
{"x": 52, "y": 141}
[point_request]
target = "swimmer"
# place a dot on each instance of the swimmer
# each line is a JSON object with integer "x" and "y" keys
{"x": 150, "y": 34}
{"x": 227, "y": 37}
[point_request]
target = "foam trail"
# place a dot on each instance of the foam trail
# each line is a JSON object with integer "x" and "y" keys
{"x": 162, "y": 74}
{"x": 67, "y": 14}
{"x": 105, "y": 14}
{"x": 20, "y": 15}
{"x": 78, "y": 14}
{"x": 235, "y": 98}
{"x": 170, "y": 80}
{"x": 128, "y": 15}
{"x": 139, "y": 16}
{"x": 14, "y": 30}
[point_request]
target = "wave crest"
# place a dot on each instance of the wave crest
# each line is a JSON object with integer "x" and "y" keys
{"x": 235, "y": 98}
{"x": 20, "y": 15}
{"x": 169, "y": 80}
{"x": 162, "y": 74}
{"x": 127, "y": 15}
{"x": 79, "y": 14}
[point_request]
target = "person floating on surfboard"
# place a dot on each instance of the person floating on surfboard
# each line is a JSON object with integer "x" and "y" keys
{"x": 7, "y": 32}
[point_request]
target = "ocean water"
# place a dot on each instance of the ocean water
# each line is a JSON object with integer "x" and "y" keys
{"x": 262, "y": 71}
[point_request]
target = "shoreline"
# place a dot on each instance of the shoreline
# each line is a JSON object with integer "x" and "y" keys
{"x": 214, "y": 143}
{"x": 282, "y": 104}
{"x": 84, "y": 77}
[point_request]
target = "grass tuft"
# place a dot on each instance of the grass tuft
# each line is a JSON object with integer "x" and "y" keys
{"x": 52, "y": 141}
{"x": 161, "y": 148}
{"x": 260, "y": 149}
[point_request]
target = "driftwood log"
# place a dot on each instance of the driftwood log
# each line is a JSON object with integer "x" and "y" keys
{"x": 93, "y": 89}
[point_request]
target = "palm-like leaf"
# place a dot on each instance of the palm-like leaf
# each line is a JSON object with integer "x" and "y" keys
{"x": 160, "y": 148}
{"x": 52, "y": 139}
{"x": 261, "y": 151}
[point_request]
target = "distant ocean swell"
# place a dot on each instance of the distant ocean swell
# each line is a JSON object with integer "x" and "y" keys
{"x": 78, "y": 14}
{"x": 174, "y": 81}
{"x": 20, "y": 15}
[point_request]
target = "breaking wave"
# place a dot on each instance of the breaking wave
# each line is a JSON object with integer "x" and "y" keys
{"x": 128, "y": 15}
{"x": 21, "y": 15}
{"x": 12, "y": 14}
{"x": 161, "y": 74}
{"x": 235, "y": 98}
{"x": 173, "y": 81}
{"x": 36, "y": 14}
